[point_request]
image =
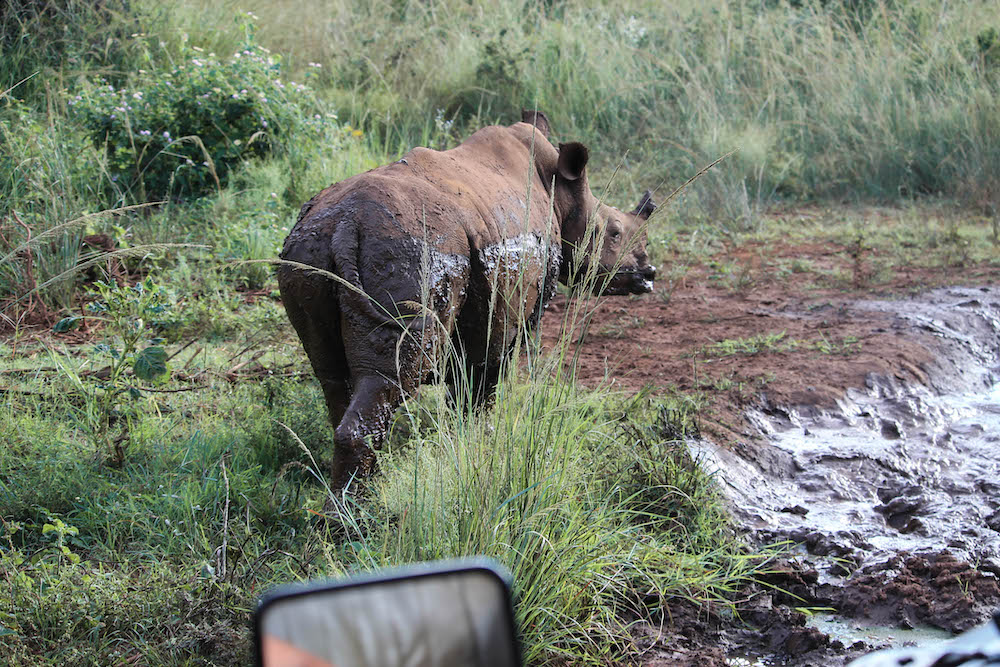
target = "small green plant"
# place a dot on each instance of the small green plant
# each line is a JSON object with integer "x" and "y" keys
{"x": 814, "y": 611}
{"x": 748, "y": 347}
{"x": 955, "y": 246}
{"x": 621, "y": 327}
{"x": 133, "y": 352}
{"x": 725, "y": 383}
{"x": 987, "y": 49}
{"x": 734, "y": 276}
{"x": 845, "y": 346}
{"x": 60, "y": 532}
{"x": 857, "y": 250}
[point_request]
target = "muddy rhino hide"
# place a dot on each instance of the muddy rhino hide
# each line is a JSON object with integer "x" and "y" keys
{"x": 386, "y": 272}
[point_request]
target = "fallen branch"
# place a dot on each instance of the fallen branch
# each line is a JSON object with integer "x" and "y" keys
{"x": 173, "y": 391}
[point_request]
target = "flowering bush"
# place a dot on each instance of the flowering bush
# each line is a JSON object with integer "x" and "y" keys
{"x": 182, "y": 132}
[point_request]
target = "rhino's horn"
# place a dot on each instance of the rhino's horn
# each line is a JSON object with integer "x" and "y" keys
{"x": 646, "y": 206}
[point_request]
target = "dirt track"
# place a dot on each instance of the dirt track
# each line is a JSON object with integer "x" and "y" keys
{"x": 776, "y": 355}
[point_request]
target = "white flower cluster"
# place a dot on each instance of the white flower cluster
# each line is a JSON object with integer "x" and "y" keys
{"x": 634, "y": 31}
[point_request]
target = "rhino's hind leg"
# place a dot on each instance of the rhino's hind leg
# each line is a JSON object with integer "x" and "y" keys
{"x": 481, "y": 382}
{"x": 378, "y": 389}
{"x": 363, "y": 428}
{"x": 319, "y": 331}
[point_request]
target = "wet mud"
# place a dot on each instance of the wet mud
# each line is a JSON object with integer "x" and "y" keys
{"x": 879, "y": 470}
{"x": 892, "y": 496}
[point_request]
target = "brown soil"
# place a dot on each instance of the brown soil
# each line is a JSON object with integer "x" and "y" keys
{"x": 914, "y": 590}
{"x": 820, "y": 347}
{"x": 825, "y": 347}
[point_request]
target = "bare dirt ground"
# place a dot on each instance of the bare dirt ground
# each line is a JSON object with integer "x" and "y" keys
{"x": 766, "y": 351}
{"x": 634, "y": 342}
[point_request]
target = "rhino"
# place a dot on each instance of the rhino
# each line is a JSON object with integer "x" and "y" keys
{"x": 461, "y": 247}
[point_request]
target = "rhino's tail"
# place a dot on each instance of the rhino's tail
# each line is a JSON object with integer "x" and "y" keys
{"x": 344, "y": 250}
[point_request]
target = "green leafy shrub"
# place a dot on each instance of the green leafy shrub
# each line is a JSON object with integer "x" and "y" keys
{"x": 182, "y": 131}
{"x": 987, "y": 49}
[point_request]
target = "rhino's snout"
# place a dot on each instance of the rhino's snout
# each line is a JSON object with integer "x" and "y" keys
{"x": 642, "y": 280}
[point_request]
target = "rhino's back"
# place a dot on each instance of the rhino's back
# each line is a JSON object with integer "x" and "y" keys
{"x": 382, "y": 206}
{"x": 492, "y": 178}
{"x": 480, "y": 209}
{"x": 479, "y": 195}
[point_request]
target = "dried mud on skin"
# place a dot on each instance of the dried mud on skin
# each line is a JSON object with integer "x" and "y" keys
{"x": 827, "y": 342}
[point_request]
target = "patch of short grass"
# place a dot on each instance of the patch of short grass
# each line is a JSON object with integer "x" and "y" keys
{"x": 748, "y": 347}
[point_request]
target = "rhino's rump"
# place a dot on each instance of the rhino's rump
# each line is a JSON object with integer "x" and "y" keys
{"x": 464, "y": 233}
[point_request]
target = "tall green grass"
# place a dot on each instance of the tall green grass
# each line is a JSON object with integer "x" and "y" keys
{"x": 551, "y": 483}
{"x": 875, "y": 99}
{"x": 48, "y": 176}
{"x": 47, "y": 44}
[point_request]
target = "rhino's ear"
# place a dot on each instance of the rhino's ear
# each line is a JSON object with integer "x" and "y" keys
{"x": 572, "y": 160}
{"x": 645, "y": 207}
{"x": 536, "y": 118}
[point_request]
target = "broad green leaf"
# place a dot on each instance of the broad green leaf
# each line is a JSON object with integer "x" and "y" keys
{"x": 66, "y": 324}
{"x": 150, "y": 363}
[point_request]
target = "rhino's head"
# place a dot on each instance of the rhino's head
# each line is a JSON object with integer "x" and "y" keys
{"x": 592, "y": 231}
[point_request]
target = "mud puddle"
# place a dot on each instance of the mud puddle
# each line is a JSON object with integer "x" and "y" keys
{"x": 849, "y": 632}
{"x": 892, "y": 498}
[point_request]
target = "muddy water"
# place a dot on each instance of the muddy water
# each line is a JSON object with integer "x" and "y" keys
{"x": 895, "y": 467}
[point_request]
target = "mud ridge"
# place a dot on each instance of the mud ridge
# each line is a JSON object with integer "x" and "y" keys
{"x": 892, "y": 498}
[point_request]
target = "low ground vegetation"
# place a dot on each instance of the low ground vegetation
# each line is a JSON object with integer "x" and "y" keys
{"x": 166, "y": 442}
